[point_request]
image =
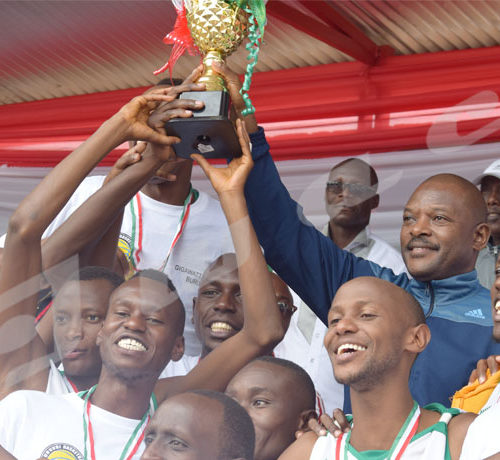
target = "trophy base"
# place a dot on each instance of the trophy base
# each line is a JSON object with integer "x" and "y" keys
{"x": 209, "y": 132}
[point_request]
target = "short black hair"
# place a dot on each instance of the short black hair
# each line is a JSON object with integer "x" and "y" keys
{"x": 155, "y": 275}
{"x": 303, "y": 379}
{"x": 237, "y": 434}
{"x": 93, "y": 272}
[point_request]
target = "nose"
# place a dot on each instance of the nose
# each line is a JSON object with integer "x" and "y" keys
{"x": 75, "y": 329}
{"x": 226, "y": 302}
{"x": 421, "y": 226}
{"x": 136, "y": 322}
{"x": 492, "y": 197}
{"x": 345, "y": 326}
{"x": 151, "y": 452}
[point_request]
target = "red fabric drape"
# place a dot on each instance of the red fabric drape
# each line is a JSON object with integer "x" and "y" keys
{"x": 404, "y": 102}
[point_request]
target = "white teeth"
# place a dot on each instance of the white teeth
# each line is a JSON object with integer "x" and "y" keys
{"x": 347, "y": 347}
{"x": 219, "y": 326}
{"x": 131, "y": 344}
{"x": 497, "y": 306}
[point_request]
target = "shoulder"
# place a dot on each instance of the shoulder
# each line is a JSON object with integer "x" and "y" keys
{"x": 481, "y": 435}
{"x": 302, "y": 448}
{"x": 457, "y": 430}
{"x": 23, "y": 400}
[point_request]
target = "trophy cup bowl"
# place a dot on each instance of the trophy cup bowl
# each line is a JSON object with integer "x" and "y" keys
{"x": 217, "y": 28}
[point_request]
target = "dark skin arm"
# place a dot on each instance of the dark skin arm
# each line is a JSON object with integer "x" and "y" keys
{"x": 262, "y": 328}
{"x": 23, "y": 364}
{"x": 300, "y": 449}
{"x": 70, "y": 239}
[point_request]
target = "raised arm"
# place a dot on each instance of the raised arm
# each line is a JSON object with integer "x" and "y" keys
{"x": 22, "y": 363}
{"x": 80, "y": 235}
{"x": 309, "y": 262}
{"x": 263, "y": 327}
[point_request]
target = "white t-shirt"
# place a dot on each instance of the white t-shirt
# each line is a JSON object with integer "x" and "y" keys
{"x": 205, "y": 237}
{"x": 35, "y": 424}
{"x": 181, "y": 367}
{"x": 493, "y": 400}
{"x": 312, "y": 355}
{"x": 58, "y": 383}
{"x": 482, "y": 439}
{"x": 430, "y": 444}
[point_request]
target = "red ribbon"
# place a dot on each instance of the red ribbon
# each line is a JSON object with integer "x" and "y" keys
{"x": 181, "y": 38}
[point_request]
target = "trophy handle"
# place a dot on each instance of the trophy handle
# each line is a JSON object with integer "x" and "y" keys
{"x": 213, "y": 81}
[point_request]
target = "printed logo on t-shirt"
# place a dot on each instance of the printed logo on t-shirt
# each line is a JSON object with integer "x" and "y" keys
{"x": 62, "y": 451}
{"x": 475, "y": 314}
{"x": 192, "y": 276}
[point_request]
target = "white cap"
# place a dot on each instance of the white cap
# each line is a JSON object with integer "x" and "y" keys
{"x": 492, "y": 170}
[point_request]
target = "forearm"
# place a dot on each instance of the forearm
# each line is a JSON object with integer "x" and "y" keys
{"x": 262, "y": 318}
{"x": 309, "y": 262}
{"x": 87, "y": 225}
{"x": 37, "y": 210}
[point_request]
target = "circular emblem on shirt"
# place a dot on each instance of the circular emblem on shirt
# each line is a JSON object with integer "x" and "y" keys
{"x": 62, "y": 451}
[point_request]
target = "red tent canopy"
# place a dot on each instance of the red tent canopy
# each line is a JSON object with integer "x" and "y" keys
{"x": 402, "y": 102}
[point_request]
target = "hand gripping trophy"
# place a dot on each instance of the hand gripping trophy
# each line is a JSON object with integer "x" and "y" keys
{"x": 215, "y": 28}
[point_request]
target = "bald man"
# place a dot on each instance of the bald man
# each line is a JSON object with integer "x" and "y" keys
{"x": 375, "y": 332}
{"x": 444, "y": 228}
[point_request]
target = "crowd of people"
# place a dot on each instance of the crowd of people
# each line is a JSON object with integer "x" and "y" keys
{"x": 143, "y": 319}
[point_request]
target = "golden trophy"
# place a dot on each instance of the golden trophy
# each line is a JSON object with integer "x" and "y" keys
{"x": 217, "y": 28}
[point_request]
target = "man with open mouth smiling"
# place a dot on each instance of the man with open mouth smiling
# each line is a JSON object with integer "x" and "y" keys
{"x": 375, "y": 332}
{"x": 142, "y": 331}
{"x": 218, "y": 311}
{"x": 443, "y": 229}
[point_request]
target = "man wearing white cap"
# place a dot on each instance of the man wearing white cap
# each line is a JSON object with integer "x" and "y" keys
{"x": 489, "y": 184}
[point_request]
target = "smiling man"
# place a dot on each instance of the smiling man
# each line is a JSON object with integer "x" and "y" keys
{"x": 142, "y": 331}
{"x": 218, "y": 311}
{"x": 375, "y": 332}
{"x": 444, "y": 228}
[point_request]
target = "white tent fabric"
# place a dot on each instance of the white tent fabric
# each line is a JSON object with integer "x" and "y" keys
{"x": 399, "y": 173}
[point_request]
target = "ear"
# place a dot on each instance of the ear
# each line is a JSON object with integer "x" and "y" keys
{"x": 418, "y": 338}
{"x": 374, "y": 201}
{"x": 194, "y": 307}
{"x": 481, "y": 236}
{"x": 178, "y": 349}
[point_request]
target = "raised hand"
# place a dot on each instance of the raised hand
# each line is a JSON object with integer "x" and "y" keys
{"x": 135, "y": 115}
{"x": 129, "y": 158}
{"x": 232, "y": 178}
{"x": 233, "y": 84}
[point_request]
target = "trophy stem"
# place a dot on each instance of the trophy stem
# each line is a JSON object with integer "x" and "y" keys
{"x": 213, "y": 81}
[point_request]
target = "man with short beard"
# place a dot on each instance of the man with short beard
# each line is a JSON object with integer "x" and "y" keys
{"x": 376, "y": 330}
{"x": 351, "y": 195}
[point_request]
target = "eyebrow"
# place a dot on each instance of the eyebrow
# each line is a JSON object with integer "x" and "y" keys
{"x": 358, "y": 303}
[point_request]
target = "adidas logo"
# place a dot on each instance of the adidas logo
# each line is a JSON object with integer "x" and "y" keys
{"x": 475, "y": 314}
